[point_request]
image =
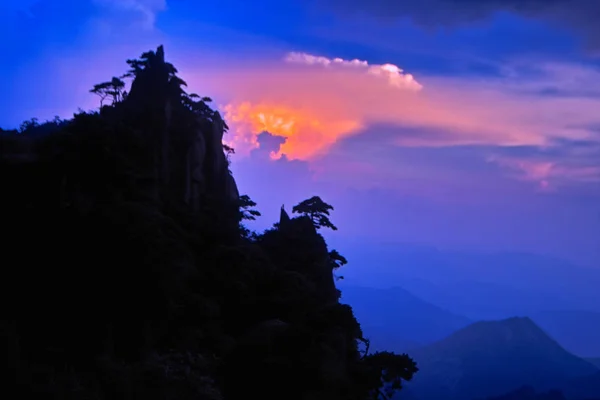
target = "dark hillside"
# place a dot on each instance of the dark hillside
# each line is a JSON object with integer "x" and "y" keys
{"x": 128, "y": 272}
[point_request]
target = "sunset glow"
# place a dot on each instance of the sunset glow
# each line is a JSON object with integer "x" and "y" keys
{"x": 482, "y": 131}
{"x": 306, "y": 133}
{"x": 315, "y": 101}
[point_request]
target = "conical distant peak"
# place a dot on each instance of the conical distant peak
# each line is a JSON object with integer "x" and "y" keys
{"x": 520, "y": 321}
{"x": 512, "y": 323}
{"x": 510, "y": 330}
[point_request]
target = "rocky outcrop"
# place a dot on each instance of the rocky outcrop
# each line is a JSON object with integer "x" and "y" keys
{"x": 284, "y": 218}
{"x": 185, "y": 145}
{"x": 189, "y": 157}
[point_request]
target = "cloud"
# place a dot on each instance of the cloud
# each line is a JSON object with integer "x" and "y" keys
{"x": 309, "y": 128}
{"x": 319, "y": 103}
{"x": 578, "y": 15}
{"x": 394, "y": 74}
{"x": 315, "y": 102}
{"x": 568, "y": 164}
{"x": 528, "y": 170}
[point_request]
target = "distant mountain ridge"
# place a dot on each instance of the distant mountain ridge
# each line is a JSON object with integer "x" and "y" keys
{"x": 396, "y": 319}
{"x": 492, "y": 358}
{"x": 477, "y": 285}
{"x": 561, "y": 297}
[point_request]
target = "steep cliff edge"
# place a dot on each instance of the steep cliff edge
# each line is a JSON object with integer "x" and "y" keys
{"x": 177, "y": 135}
{"x": 127, "y": 272}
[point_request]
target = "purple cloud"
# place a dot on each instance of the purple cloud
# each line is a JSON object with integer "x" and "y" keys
{"x": 578, "y": 15}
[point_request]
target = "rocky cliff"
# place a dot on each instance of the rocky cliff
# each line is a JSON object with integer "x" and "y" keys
{"x": 183, "y": 137}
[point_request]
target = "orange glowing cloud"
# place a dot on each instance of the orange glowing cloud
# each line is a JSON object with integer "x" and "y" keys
{"x": 315, "y": 101}
{"x": 307, "y": 133}
{"x": 310, "y": 121}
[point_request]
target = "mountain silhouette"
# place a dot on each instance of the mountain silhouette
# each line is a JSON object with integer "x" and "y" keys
{"x": 491, "y": 358}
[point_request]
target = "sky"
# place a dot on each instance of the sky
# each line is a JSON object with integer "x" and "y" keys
{"x": 463, "y": 125}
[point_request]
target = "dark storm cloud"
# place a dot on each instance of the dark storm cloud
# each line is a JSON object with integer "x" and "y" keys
{"x": 578, "y": 15}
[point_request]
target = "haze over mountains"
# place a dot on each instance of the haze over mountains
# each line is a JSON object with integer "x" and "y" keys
{"x": 395, "y": 317}
{"x": 560, "y": 297}
{"x": 397, "y": 320}
{"x": 503, "y": 283}
{"x": 532, "y": 344}
{"x": 462, "y": 360}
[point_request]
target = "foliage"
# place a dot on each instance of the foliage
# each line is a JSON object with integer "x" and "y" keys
{"x": 317, "y": 210}
{"x": 390, "y": 370}
{"x": 131, "y": 290}
{"x": 337, "y": 261}
{"x": 113, "y": 89}
{"x": 29, "y": 125}
{"x": 247, "y": 213}
{"x": 246, "y": 210}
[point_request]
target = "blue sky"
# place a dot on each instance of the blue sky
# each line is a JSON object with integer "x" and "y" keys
{"x": 496, "y": 149}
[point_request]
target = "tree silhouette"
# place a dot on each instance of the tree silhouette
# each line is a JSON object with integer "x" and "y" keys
{"x": 317, "y": 210}
{"x": 389, "y": 370}
{"x": 113, "y": 89}
{"x": 149, "y": 59}
{"x": 228, "y": 152}
{"x": 337, "y": 261}
{"x": 197, "y": 104}
{"x": 246, "y": 211}
{"x": 29, "y": 125}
